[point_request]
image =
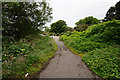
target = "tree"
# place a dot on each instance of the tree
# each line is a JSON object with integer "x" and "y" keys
{"x": 83, "y": 24}
{"x": 117, "y": 7}
{"x": 88, "y": 20}
{"x": 69, "y": 29}
{"x": 81, "y": 27}
{"x": 24, "y": 18}
{"x": 113, "y": 13}
{"x": 58, "y": 27}
{"x": 110, "y": 14}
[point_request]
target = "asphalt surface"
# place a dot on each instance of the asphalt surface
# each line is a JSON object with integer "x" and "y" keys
{"x": 66, "y": 65}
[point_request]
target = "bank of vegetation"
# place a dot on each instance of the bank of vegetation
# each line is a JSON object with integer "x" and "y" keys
{"x": 27, "y": 55}
{"x": 100, "y": 44}
{"x": 24, "y": 50}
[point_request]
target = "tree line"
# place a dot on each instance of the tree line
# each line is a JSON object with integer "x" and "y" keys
{"x": 61, "y": 27}
{"x": 20, "y": 19}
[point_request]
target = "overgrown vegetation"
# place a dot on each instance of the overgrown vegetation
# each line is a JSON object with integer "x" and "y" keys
{"x": 104, "y": 61}
{"x": 20, "y": 19}
{"x": 83, "y": 24}
{"x": 59, "y": 28}
{"x": 24, "y": 50}
{"x": 101, "y": 45}
{"x": 26, "y": 55}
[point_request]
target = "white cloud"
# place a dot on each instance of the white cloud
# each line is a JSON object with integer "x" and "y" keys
{"x": 73, "y": 10}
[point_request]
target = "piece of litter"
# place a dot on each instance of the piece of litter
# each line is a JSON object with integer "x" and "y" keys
{"x": 26, "y": 75}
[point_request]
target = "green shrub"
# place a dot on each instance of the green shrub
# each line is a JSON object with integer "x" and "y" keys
{"x": 86, "y": 46}
{"x": 32, "y": 58}
{"x": 57, "y": 34}
{"x": 100, "y": 43}
{"x": 108, "y": 31}
{"x": 15, "y": 50}
{"x": 51, "y": 34}
{"x": 104, "y": 62}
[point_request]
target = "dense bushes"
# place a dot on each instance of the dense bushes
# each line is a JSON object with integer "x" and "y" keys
{"x": 24, "y": 50}
{"x": 18, "y": 20}
{"x": 101, "y": 43}
{"x": 104, "y": 62}
{"x": 83, "y": 24}
{"x": 26, "y": 55}
{"x": 107, "y": 31}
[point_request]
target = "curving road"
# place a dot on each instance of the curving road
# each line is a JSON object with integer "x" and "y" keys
{"x": 66, "y": 65}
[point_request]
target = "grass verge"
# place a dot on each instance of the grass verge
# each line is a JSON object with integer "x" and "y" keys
{"x": 75, "y": 51}
{"x": 28, "y": 55}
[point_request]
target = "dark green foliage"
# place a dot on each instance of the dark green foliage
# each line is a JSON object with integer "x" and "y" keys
{"x": 69, "y": 29}
{"x": 23, "y": 49}
{"x": 110, "y": 14}
{"x": 83, "y": 24}
{"x": 57, "y": 34}
{"x": 101, "y": 45}
{"x": 113, "y": 13}
{"x": 24, "y": 18}
{"x": 51, "y": 34}
{"x": 58, "y": 27}
{"x": 106, "y": 32}
{"x": 15, "y": 50}
{"x": 81, "y": 27}
{"x": 47, "y": 29}
{"x": 117, "y": 6}
{"x": 87, "y": 46}
{"x": 88, "y": 20}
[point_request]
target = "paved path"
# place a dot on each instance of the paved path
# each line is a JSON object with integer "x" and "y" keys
{"x": 65, "y": 65}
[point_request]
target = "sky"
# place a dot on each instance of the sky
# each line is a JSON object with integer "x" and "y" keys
{"x": 72, "y": 11}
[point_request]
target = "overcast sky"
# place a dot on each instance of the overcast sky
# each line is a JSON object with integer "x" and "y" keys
{"x": 72, "y": 11}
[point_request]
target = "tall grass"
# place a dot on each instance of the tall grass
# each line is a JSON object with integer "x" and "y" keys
{"x": 26, "y": 55}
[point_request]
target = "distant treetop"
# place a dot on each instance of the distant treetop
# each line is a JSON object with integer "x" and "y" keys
{"x": 88, "y": 20}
